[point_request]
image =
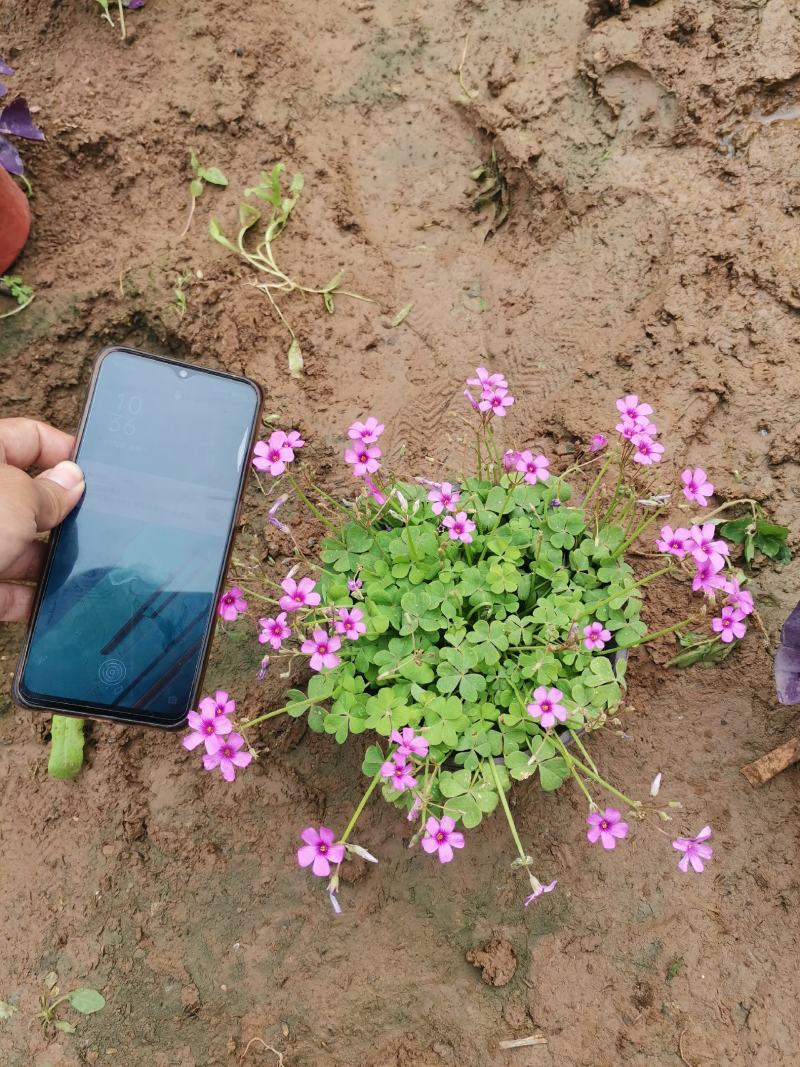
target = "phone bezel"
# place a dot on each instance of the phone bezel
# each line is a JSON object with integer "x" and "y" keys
{"x": 133, "y": 716}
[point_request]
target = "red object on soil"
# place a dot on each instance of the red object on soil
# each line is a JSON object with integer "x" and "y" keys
{"x": 15, "y": 220}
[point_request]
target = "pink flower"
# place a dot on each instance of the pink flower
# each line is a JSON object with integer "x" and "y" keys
{"x": 441, "y": 836}
{"x": 628, "y": 428}
{"x": 348, "y": 622}
{"x": 595, "y": 636}
{"x": 630, "y": 407}
{"x": 231, "y": 604}
{"x": 354, "y": 584}
{"x": 262, "y": 668}
{"x": 708, "y": 578}
{"x": 510, "y": 460}
{"x": 535, "y": 468}
{"x": 409, "y": 743}
{"x": 444, "y": 498}
{"x": 274, "y": 454}
{"x": 220, "y": 703}
{"x": 319, "y": 851}
{"x": 413, "y": 811}
{"x": 696, "y": 486}
{"x": 460, "y": 527}
{"x": 675, "y": 542}
{"x": 546, "y": 707}
{"x": 364, "y": 459}
{"x": 729, "y": 624}
{"x": 703, "y": 546}
{"x": 298, "y": 594}
{"x": 607, "y": 827}
{"x": 366, "y": 433}
{"x": 399, "y": 773}
{"x": 495, "y": 400}
{"x": 738, "y": 598}
{"x": 375, "y": 493}
{"x": 275, "y": 631}
{"x": 206, "y": 726}
{"x": 228, "y": 757}
{"x": 597, "y": 444}
{"x": 473, "y": 402}
{"x": 294, "y": 440}
{"x": 647, "y": 451}
{"x": 540, "y": 890}
{"x": 322, "y": 649}
{"x": 694, "y": 851}
{"x": 485, "y": 381}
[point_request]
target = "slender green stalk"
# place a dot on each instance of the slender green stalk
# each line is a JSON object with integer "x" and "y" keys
{"x": 412, "y": 548}
{"x": 360, "y": 808}
{"x": 654, "y": 636}
{"x": 311, "y": 507}
{"x": 496, "y": 526}
{"x": 600, "y": 475}
{"x": 273, "y": 714}
{"x": 595, "y": 777}
{"x": 509, "y": 817}
{"x": 584, "y": 753}
{"x": 637, "y": 533}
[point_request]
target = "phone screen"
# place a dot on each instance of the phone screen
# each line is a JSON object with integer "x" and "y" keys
{"x": 130, "y": 594}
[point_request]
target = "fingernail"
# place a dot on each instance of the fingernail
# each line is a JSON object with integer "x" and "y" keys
{"x": 66, "y": 474}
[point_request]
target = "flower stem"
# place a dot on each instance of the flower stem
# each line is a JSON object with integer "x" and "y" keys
{"x": 360, "y": 808}
{"x": 637, "y": 533}
{"x": 595, "y": 777}
{"x": 510, "y": 818}
{"x": 311, "y": 507}
{"x": 655, "y": 636}
{"x": 272, "y": 714}
{"x": 600, "y": 475}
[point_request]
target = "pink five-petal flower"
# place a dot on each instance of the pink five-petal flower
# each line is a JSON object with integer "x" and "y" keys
{"x": 273, "y": 455}
{"x": 398, "y": 773}
{"x": 495, "y": 400}
{"x": 628, "y": 428}
{"x": 694, "y": 850}
{"x": 206, "y": 726}
{"x": 220, "y": 703}
{"x": 364, "y": 459}
{"x": 535, "y": 468}
{"x": 460, "y": 527}
{"x": 298, "y": 594}
{"x": 607, "y": 827}
{"x": 540, "y": 890}
{"x": 597, "y": 444}
{"x": 275, "y": 631}
{"x": 443, "y": 498}
{"x": 322, "y": 648}
{"x": 409, "y": 743}
{"x": 510, "y": 460}
{"x": 319, "y": 850}
{"x": 441, "y": 836}
{"x": 675, "y": 542}
{"x": 729, "y": 624}
{"x": 472, "y": 401}
{"x": 231, "y": 604}
{"x": 367, "y": 432}
{"x": 707, "y": 578}
{"x": 485, "y": 381}
{"x": 739, "y": 598}
{"x": 294, "y": 440}
{"x": 546, "y": 707}
{"x": 703, "y": 546}
{"x": 348, "y": 622}
{"x": 595, "y": 636}
{"x": 647, "y": 451}
{"x": 630, "y": 407}
{"x": 228, "y": 757}
{"x": 696, "y": 486}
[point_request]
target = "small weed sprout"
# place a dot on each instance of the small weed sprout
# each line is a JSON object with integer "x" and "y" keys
{"x": 492, "y": 192}
{"x": 85, "y": 1001}
{"x": 179, "y": 290}
{"x": 13, "y": 286}
{"x": 262, "y": 258}
{"x": 202, "y": 176}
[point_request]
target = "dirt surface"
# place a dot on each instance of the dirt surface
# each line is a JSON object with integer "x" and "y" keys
{"x": 652, "y": 246}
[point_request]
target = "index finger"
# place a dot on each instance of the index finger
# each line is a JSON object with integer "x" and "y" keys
{"x": 29, "y": 443}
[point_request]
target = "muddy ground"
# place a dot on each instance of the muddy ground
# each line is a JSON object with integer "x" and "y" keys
{"x": 652, "y": 246}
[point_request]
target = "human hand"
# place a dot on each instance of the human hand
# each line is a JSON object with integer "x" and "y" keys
{"x": 31, "y": 505}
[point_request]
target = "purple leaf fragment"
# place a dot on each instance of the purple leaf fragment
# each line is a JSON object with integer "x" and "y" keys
{"x": 10, "y": 158}
{"x": 787, "y": 661}
{"x": 16, "y": 120}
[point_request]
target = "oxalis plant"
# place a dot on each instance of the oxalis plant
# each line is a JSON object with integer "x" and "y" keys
{"x": 478, "y": 631}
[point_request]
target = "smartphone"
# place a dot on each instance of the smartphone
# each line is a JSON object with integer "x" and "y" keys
{"x": 126, "y": 606}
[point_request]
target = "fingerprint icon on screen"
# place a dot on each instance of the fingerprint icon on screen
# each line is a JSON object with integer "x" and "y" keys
{"x": 112, "y": 672}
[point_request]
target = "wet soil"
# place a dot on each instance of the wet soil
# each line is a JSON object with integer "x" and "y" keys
{"x": 652, "y": 246}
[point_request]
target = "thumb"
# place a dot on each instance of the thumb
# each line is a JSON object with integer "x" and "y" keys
{"x": 56, "y": 492}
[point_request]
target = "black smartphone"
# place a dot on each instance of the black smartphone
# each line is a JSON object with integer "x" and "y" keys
{"x": 126, "y": 607}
